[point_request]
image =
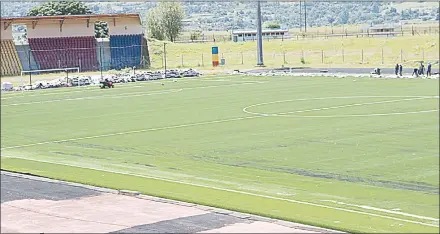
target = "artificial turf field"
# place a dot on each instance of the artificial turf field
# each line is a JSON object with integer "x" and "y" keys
{"x": 353, "y": 154}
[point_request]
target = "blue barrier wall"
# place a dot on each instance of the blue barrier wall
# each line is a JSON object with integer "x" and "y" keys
{"x": 125, "y": 51}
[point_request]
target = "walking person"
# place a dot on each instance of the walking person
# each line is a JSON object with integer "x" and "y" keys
{"x": 396, "y": 70}
{"x": 400, "y": 69}
{"x": 416, "y": 72}
{"x": 428, "y": 71}
{"x": 422, "y": 69}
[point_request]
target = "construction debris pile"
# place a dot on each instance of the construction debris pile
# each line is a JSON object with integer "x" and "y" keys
{"x": 121, "y": 77}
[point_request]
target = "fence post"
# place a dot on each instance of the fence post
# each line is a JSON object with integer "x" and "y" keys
{"x": 401, "y": 56}
{"x": 203, "y": 64}
{"x": 362, "y": 54}
{"x": 322, "y": 56}
{"x": 382, "y": 55}
{"x": 343, "y": 57}
{"x": 182, "y": 60}
{"x": 423, "y": 55}
{"x": 79, "y": 62}
{"x": 242, "y": 58}
{"x": 30, "y": 68}
{"x": 59, "y": 63}
{"x": 284, "y": 57}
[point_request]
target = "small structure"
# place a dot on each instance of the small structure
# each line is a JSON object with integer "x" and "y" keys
{"x": 381, "y": 30}
{"x": 239, "y": 36}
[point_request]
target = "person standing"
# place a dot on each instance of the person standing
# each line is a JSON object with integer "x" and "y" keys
{"x": 396, "y": 69}
{"x": 422, "y": 69}
{"x": 400, "y": 69}
{"x": 428, "y": 70}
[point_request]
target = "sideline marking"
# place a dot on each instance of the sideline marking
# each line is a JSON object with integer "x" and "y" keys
{"x": 132, "y": 132}
{"x": 233, "y": 191}
{"x": 99, "y": 97}
{"x": 56, "y": 91}
{"x": 384, "y": 210}
{"x": 286, "y": 114}
{"x": 128, "y": 94}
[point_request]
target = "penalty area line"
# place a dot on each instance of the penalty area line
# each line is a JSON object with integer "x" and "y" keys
{"x": 233, "y": 191}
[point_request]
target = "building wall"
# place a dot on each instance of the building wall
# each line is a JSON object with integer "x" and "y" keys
{"x": 70, "y": 28}
{"x": 6, "y": 34}
{"x": 128, "y": 26}
{"x": 253, "y": 37}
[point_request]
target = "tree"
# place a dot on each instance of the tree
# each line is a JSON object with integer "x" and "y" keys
{"x": 60, "y": 8}
{"x": 154, "y": 24}
{"x": 195, "y": 35}
{"x": 165, "y": 21}
{"x": 68, "y": 8}
{"x": 272, "y": 25}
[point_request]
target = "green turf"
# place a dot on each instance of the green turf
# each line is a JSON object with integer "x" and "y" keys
{"x": 194, "y": 131}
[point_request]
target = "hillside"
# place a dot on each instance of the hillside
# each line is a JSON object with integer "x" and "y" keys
{"x": 221, "y": 16}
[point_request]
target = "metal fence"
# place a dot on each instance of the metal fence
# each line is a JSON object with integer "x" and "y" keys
{"x": 312, "y": 33}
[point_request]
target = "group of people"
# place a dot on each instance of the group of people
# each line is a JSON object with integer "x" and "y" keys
{"x": 416, "y": 72}
{"x": 398, "y": 70}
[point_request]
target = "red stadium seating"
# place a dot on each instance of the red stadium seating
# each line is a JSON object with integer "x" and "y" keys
{"x": 65, "y": 52}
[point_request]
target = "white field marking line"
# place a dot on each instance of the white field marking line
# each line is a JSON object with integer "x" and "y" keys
{"x": 347, "y": 97}
{"x": 56, "y": 91}
{"x": 98, "y": 97}
{"x": 384, "y": 210}
{"x": 133, "y": 132}
{"x": 233, "y": 191}
{"x": 350, "y": 105}
{"x": 120, "y": 95}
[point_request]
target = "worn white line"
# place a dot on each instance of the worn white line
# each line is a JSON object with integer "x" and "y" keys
{"x": 234, "y": 191}
{"x": 132, "y": 132}
{"x": 128, "y": 94}
{"x": 384, "y": 210}
{"x": 351, "y": 105}
{"x": 97, "y": 97}
{"x": 286, "y": 114}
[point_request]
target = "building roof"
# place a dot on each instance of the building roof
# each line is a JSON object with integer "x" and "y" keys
{"x": 264, "y": 31}
{"x": 389, "y": 26}
{"x": 62, "y": 17}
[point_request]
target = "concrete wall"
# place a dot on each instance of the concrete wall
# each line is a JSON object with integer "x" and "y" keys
{"x": 6, "y": 34}
{"x": 125, "y": 26}
{"x": 70, "y": 28}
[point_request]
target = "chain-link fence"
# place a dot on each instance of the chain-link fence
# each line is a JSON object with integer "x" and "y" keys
{"x": 317, "y": 58}
{"x": 321, "y": 32}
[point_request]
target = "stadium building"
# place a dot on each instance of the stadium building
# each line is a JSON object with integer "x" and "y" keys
{"x": 59, "y": 42}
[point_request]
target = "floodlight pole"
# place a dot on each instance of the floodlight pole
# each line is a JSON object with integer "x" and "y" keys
{"x": 259, "y": 36}
{"x": 300, "y": 16}
{"x": 305, "y": 16}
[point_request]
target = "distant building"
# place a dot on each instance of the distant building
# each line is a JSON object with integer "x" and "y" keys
{"x": 238, "y": 36}
{"x": 381, "y": 30}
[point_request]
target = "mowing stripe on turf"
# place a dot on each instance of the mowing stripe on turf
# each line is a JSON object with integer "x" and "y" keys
{"x": 132, "y": 132}
{"x": 235, "y": 191}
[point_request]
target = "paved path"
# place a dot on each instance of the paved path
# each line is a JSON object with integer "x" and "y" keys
{"x": 384, "y": 71}
{"x": 40, "y": 205}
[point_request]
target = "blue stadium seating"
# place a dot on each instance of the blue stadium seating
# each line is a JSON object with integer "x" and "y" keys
{"x": 125, "y": 51}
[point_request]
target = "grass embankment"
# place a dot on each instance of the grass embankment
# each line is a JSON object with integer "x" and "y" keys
{"x": 331, "y": 52}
